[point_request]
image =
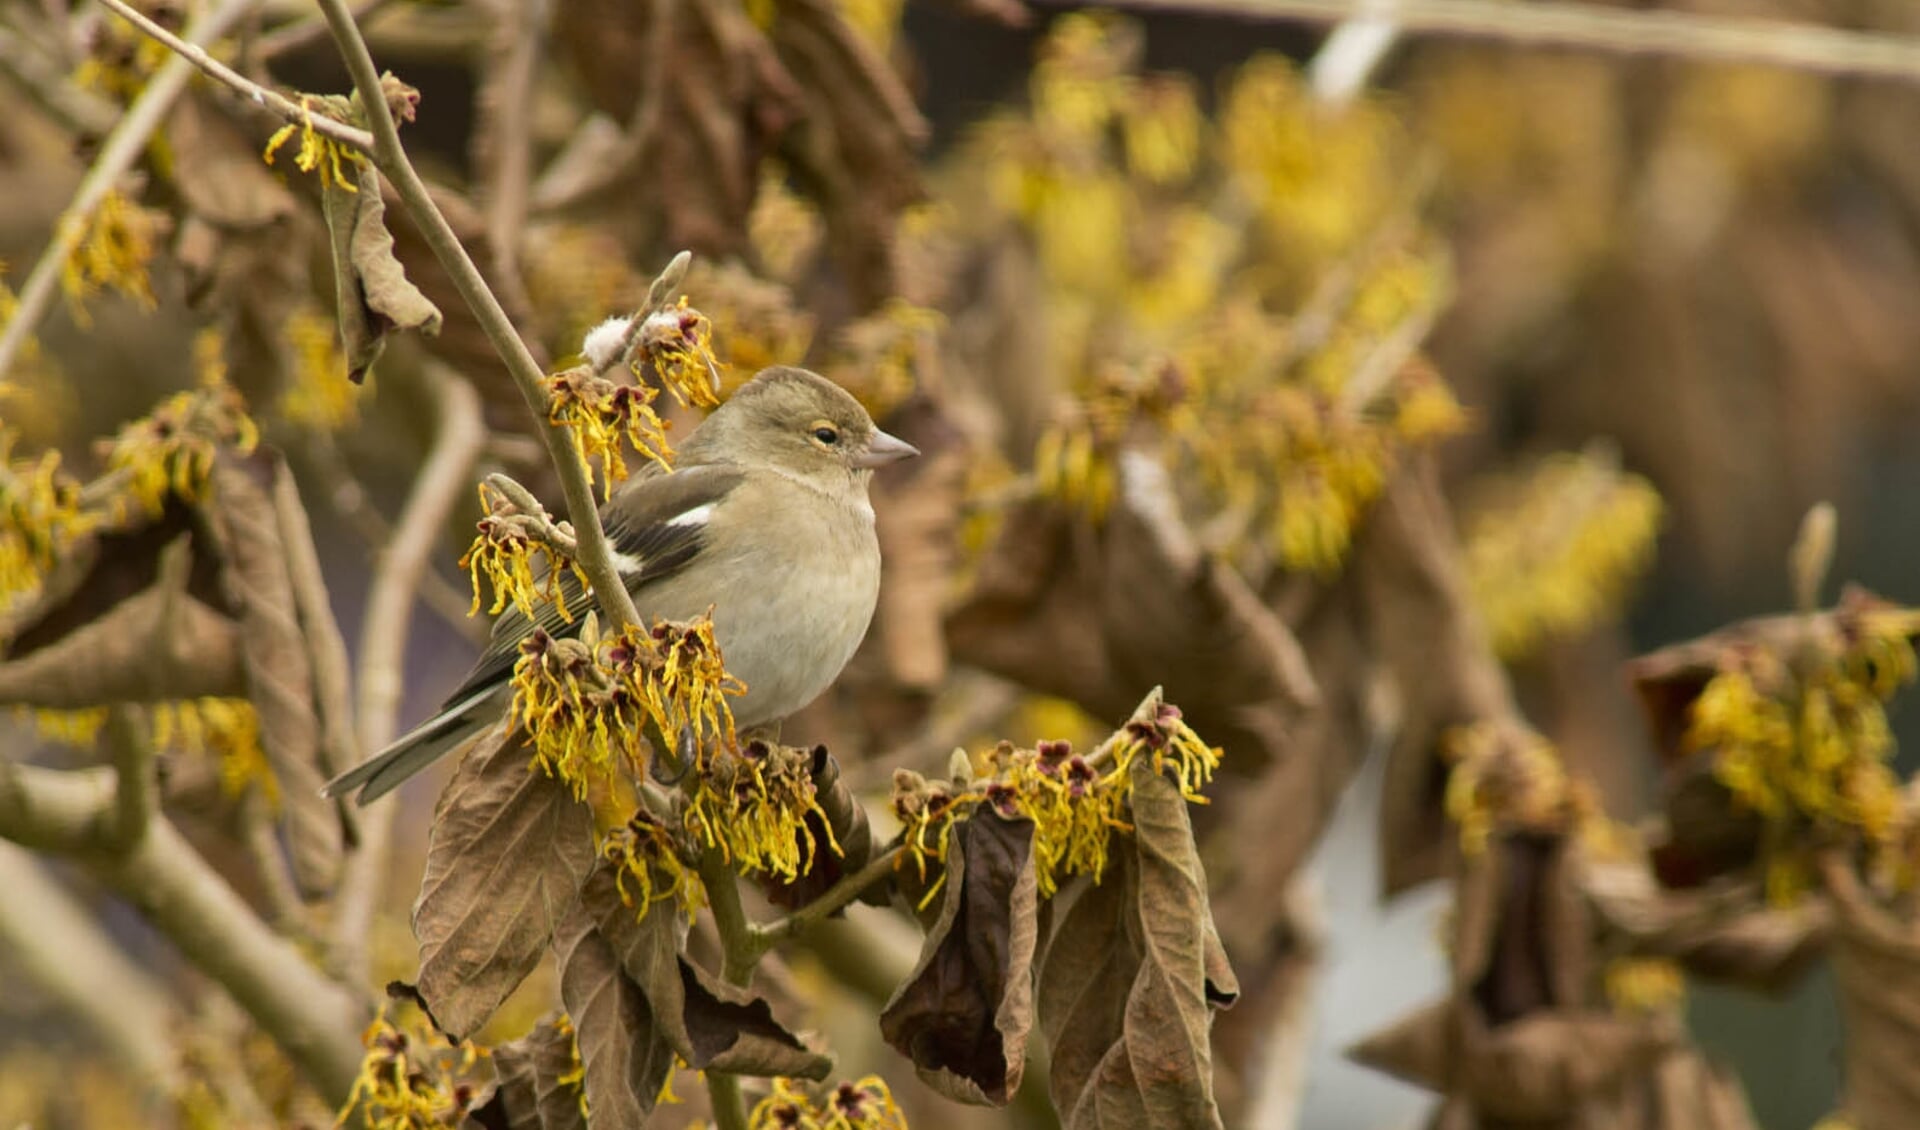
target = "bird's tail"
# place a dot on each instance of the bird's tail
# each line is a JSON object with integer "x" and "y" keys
{"x": 421, "y": 747}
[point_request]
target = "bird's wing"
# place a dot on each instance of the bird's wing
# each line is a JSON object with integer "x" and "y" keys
{"x": 656, "y": 528}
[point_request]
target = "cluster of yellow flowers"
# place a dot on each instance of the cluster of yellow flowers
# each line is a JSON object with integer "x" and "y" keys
{"x": 877, "y": 358}
{"x": 319, "y": 395}
{"x": 112, "y": 245}
{"x": 863, "y": 1105}
{"x": 503, "y": 555}
{"x": 752, "y": 802}
{"x": 1557, "y": 549}
{"x": 1802, "y": 739}
{"x": 650, "y": 868}
{"x": 1644, "y": 986}
{"x": 1289, "y": 305}
{"x": 171, "y": 450}
{"x": 226, "y": 729}
{"x": 40, "y": 515}
{"x": 412, "y": 1078}
{"x": 1075, "y": 802}
{"x": 1505, "y": 776}
{"x": 587, "y": 702}
{"x": 337, "y": 165}
{"x": 598, "y": 414}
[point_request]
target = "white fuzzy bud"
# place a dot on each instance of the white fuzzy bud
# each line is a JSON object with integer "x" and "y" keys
{"x": 603, "y": 342}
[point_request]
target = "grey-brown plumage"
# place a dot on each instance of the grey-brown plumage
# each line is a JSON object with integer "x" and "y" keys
{"x": 765, "y": 519}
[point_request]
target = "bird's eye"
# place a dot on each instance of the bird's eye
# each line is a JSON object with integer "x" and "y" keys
{"x": 826, "y": 435}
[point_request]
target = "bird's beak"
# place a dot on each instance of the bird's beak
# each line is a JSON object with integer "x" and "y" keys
{"x": 883, "y": 450}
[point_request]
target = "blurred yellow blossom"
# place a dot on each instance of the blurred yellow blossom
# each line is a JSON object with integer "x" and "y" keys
{"x": 412, "y": 1078}
{"x": 1555, "y": 550}
{"x": 172, "y": 449}
{"x": 866, "y": 1104}
{"x": 319, "y": 394}
{"x": 1801, "y": 738}
{"x": 40, "y": 516}
{"x": 112, "y": 245}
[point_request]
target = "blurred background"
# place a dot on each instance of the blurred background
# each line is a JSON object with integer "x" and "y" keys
{"x": 1632, "y": 313}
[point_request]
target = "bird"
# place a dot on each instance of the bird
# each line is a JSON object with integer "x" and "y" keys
{"x": 764, "y": 518}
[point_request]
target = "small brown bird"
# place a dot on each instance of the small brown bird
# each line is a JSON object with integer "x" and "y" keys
{"x": 765, "y": 518}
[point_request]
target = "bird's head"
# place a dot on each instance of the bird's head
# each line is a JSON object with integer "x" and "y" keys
{"x": 800, "y": 423}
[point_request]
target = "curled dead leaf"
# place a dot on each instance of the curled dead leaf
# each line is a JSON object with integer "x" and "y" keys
{"x": 964, "y": 1014}
{"x": 1101, "y": 614}
{"x": 1129, "y": 974}
{"x": 137, "y": 616}
{"x": 845, "y": 818}
{"x": 529, "y": 1094}
{"x": 709, "y": 1024}
{"x": 371, "y": 291}
{"x": 241, "y": 514}
{"x": 509, "y": 850}
{"x": 623, "y": 1051}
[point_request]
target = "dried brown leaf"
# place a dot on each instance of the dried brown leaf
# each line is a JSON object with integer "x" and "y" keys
{"x": 371, "y": 291}
{"x": 626, "y": 1054}
{"x": 1430, "y": 638}
{"x": 853, "y": 148}
{"x": 917, "y": 517}
{"x": 709, "y": 1024}
{"x": 846, "y": 818}
{"x": 138, "y": 616}
{"x": 1129, "y": 975}
{"x": 509, "y": 850}
{"x": 964, "y": 1014}
{"x": 706, "y": 98}
{"x": 240, "y": 513}
{"x": 1100, "y": 615}
{"x": 1541, "y": 1068}
{"x": 529, "y": 1094}
{"x": 1876, "y": 967}
{"x": 1734, "y": 939}
{"x": 220, "y": 177}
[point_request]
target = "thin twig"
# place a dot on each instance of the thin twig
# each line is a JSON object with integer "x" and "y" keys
{"x": 288, "y": 110}
{"x": 849, "y": 888}
{"x": 1777, "y": 43}
{"x": 53, "y": 939}
{"x": 326, "y": 646}
{"x": 596, "y": 558}
{"x": 439, "y": 487}
{"x": 314, "y": 1019}
{"x": 118, "y": 152}
{"x": 270, "y": 864}
{"x": 507, "y": 149}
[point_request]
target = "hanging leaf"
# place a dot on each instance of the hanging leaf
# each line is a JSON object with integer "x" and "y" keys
{"x": 1130, "y": 974}
{"x": 532, "y": 1091}
{"x": 371, "y": 289}
{"x": 509, "y": 850}
{"x": 709, "y": 1024}
{"x": 964, "y": 1014}
{"x": 623, "y": 1051}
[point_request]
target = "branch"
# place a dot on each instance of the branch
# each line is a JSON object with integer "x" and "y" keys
{"x": 440, "y": 486}
{"x": 301, "y": 33}
{"x": 118, "y": 152}
{"x": 58, "y": 942}
{"x": 314, "y": 1019}
{"x": 288, "y": 110}
{"x": 1591, "y": 27}
{"x": 596, "y": 559}
{"x": 507, "y": 144}
{"x": 46, "y": 81}
{"x": 849, "y": 887}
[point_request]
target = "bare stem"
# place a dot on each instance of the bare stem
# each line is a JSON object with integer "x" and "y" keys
{"x": 832, "y": 899}
{"x": 76, "y": 813}
{"x": 441, "y": 484}
{"x": 596, "y": 559}
{"x": 507, "y": 99}
{"x": 118, "y": 152}
{"x": 1777, "y": 43}
{"x": 286, "y": 108}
